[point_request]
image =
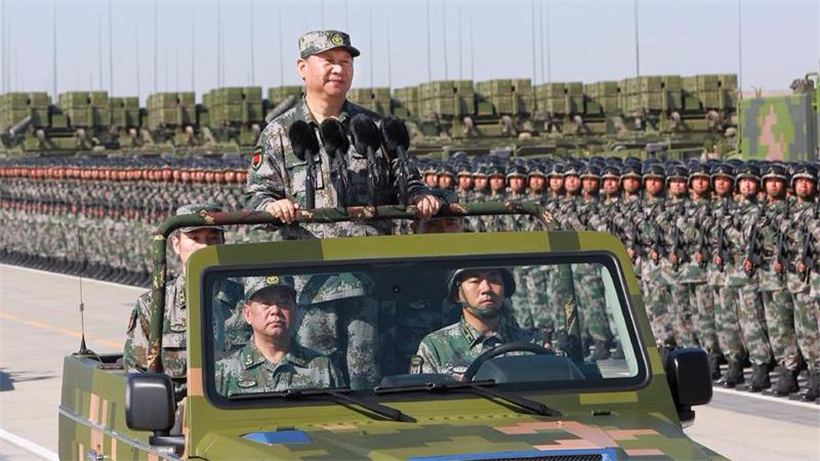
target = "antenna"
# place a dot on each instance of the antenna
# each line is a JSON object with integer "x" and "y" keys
{"x": 637, "y": 44}
{"x": 110, "y": 51}
{"x": 534, "y": 62}
{"x": 429, "y": 64}
{"x": 541, "y": 37}
{"x": 444, "y": 36}
{"x": 472, "y": 50}
{"x": 281, "y": 53}
{"x": 193, "y": 48}
{"x": 3, "y": 46}
{"x": 54, "y": 49}
{"x": 156, "y": 37}
{"x": 99, "y": 48}
{"x": 177, "y": 69}
{"x": 389, "y": 58}
{"x": 739, "y": 49}
{"x": 218, "y": 43}
{"x": 137, "y": 56}
{"x": 253, "y": 67}
{"x": 83, "y": 349}
{"x": 549, "y": 51}
{"x": 460, "y": 43}
{"x": 371, "y": 48}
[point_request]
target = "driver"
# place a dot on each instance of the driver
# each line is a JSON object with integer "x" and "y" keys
{"x": 486, "y": 322}
{"x": 272, "y": 360}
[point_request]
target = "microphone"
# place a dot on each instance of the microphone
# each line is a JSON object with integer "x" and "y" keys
{"x": 305, "y": 146}
{"x": 396, "y": 142}
{"x": 336, "y": 143}
{"x": 366, "y": 140}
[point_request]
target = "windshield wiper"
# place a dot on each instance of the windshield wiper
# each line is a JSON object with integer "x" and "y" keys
{"x": 337, "y": 394}
{"x": 478, "y": 388}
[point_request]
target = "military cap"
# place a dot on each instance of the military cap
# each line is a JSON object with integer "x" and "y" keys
{"x": 775, "y": 171}
{"x": 254, "y": 285}
{"x": 319, "y": 41}
{"x": 200, "y": 209}
{"x": 748, "y": 171}
{"x": 515, "y": 170}
{"x": 654, "y": 170}
{"x": 723, "y": 170}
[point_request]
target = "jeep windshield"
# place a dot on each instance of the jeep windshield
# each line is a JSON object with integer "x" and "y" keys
{"x": 513, "y": 323}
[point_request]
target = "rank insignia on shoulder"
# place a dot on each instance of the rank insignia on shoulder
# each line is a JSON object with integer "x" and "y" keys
{"x": 415, "y": 364}
{"x": 256, "y": 160}
{"x": 178, "y": 328}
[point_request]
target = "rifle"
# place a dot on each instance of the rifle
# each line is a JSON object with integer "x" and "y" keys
{"x": 782, "y": 250}
{"x": 678, "y": 243}
{"x": 753, "y": 255}
{"x": 806, "y": 255}
{"x": 723, "y": 245}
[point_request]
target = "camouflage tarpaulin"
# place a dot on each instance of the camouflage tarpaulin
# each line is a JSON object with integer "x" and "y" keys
{"x": 321, "y": 215}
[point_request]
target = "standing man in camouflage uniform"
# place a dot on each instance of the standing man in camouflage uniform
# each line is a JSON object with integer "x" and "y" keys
{"x": 175, "y": 324}
{"x": 773, "y": 224}
{"x": 276, "y": 184}
{"x": 272, "y": 360}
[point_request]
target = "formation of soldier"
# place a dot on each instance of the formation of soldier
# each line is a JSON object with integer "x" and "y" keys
{"x": 71, "y": 215}
{"x": 726, "y": 253}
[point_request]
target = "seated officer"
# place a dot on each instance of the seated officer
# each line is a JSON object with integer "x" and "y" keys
{"x": 272, "y": 360}
{"x": 486, "y": 322}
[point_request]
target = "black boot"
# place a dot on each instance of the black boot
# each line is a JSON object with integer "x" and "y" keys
{"x": 760, "y": 378}
{"x": 786, "y": 383}
{"x": 714, "y": 367}
{"x": 733, "y": 376}
{"x": 813, "y": 388}
{"x": 601, "y": 351}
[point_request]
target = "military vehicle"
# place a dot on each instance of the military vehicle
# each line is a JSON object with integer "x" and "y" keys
{"x": 682, "y": 113}
{"x": 782, "y": 127}
{"x": 537, "y": 399}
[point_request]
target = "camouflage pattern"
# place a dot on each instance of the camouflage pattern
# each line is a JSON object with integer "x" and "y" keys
{"x": 248, "y": 371}
{"x": 778, "y": 128}
{"x": 453, "y": 348}
{"x": 319, "y": 41}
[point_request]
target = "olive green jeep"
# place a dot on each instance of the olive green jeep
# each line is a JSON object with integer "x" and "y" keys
{"x": 437, "y": 387}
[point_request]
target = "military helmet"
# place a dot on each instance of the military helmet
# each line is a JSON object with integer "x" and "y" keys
{"x": 480, "y": 171}
{"x": 463, "y": 169}
{"x": 429, "y": 168}
{"x": 445, "y": 170}
{"x": 557, "y": 169}
{"x": 590, "y": 171}
{"x": 723, "y": 170}
{"x": 516, "y": 171}
{"x": 496, "y": 170}
{"x": 775, "y": 171}
{"x": 677, "y": 171}
{"x": 454, "y": 277}
{"x": 201, "y": 209}
{"x": 631, "y": 170}
{"x": 654, "y": 170}
{"x": 611, "y": 172}
{"x": 699, "y": 170}
{"x": 747, "y": 171}
{"x": 254, "y": 285}
{"x": 537, "y": 169}
{"x": 805, "y": 171}
{"x": 573, "y": 168}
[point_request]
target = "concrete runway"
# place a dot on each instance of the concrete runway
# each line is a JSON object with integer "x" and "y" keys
{"x": 40, "y": 324}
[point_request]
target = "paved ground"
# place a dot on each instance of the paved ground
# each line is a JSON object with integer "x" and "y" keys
{"x": 40, "y": 323}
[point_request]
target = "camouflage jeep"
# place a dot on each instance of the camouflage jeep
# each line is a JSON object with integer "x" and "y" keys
{"x": 533, "y": 393}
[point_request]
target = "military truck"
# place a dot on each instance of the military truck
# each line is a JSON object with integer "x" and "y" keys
{"x": 535, "y": 399}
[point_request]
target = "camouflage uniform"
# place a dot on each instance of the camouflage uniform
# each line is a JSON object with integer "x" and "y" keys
{"x": 453, "y": 348}
{"x": 248, "y": 371}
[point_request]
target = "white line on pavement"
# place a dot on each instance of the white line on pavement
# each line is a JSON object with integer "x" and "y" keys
{"x": 783, "y": 400}
{"x": 28, "y": 446}
{"x": 85, "y": 280}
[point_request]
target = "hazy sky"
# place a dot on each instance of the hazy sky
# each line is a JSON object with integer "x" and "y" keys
{"x": 588, "y": 41}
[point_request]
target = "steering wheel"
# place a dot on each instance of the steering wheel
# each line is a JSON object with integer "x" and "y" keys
{"x": 501, "y": 350}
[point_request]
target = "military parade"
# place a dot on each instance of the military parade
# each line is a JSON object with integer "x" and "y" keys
{"x": 463, "y": 268}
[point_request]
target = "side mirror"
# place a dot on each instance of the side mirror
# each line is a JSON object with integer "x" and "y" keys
{"x": 150, "y": 406}
{"x": 687, "y": 372}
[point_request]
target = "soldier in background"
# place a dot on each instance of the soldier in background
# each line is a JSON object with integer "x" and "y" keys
{"x": 773, "y": 223}
{"x": 804, "y": 214}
